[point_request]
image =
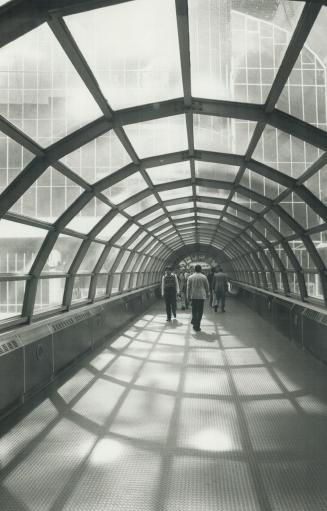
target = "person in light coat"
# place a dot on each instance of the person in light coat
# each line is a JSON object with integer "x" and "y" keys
{"x": 197, "y": 291}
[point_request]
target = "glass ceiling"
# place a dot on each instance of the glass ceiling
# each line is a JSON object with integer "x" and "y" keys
{"x": 136, "y": 132}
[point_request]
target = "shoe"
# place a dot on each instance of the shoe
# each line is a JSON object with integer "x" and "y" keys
{"x": 174, "y": 316}
{"x": 197, "y": 329}
{"x": 216, "y": 308}
{"x": 223, "y": 310}
{"x": 168, "y": 319}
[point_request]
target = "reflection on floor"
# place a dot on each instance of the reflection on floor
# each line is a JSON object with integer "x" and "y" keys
{"x": 163, "y": 419}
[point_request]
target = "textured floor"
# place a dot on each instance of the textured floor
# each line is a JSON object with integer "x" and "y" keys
{"x": 233, "y": 418}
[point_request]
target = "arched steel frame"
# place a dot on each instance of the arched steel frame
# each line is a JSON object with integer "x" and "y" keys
{"x": 245, "y": 248}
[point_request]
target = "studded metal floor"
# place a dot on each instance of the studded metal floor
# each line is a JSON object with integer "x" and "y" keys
{"x": 233, "y": 418}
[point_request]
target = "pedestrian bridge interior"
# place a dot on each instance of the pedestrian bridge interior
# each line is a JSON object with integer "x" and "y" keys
{"x": 136, "y": 135}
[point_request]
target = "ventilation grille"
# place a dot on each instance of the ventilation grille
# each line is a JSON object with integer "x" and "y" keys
{"x": 82, "y": 316}
{"x": 318, "y": 317}
{"x": 10, "y": 345}
{"x": 64, "y": 323}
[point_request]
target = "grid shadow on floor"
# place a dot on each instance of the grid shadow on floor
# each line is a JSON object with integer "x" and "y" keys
{"x": 164, "y": 419}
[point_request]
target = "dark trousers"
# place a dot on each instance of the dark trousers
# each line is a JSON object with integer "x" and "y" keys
{"x": 220, "y": 295}
{"x": 170, "y": 301}
{"x": 197, "y": 312}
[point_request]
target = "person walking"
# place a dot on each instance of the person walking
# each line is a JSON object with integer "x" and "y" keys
{"x": 197, "y": 291}
{"x": 170, "y": 290}
{"x": 210, "y": 280}
{"x": 220, "y": 287}
{"x": 183, "y": 276}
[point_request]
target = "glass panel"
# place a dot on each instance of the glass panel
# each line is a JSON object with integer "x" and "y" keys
{"x": 81, "y": 288}
{"x": 139, "y": 263}
{"x": 112, "y": 227}
{"x": 13, "y": 158}
{"x": 152, "y": 247}
{"x": 320, "y": 242}
{"x": 317, "y": 184}
{"x": 235, "y": 55}
{"x": 293, "y": 282}
{"x": 210, "y": 205}
{"x": 141, "y": 205}
{"x": 270, "y": 236}
{"x": 99, "y": 158}
{"x": 284, "y": 257}
{"x": 163, "y": 229}
{"x": 176, "y": 215}
{"x": 157, "y": 224}
{"x": 168, "y": 173}
{"x": 175, "y": 193}
{"x": 41, "y": 92}
{"x": 91, "y": 257}
{"x": 208, "y": 215}
{"x": 111, "y": 258}
{"x": 133, "y": 280}
{"x": 313, "y": 284}
{"x": 11, "y": 298}
{"x": 244, "y": 201}
{"x": 305, "y": 93}
{"x": 123, "y": 260}
{"x": 278, "y": 223}
{"x": 138, "y": 239}
{"x": 126, "y": 188}
{"x": 299, "y": 210}
{"x": 160, "y": 136}
{"x": 177, "y": 207}
{"x": 130, "y": 69}
{"x": 126, "y": 278}
{"x": 186, "y": 222}
{"x": 152, "y": 216}
{"x": 284, "y": 152}
{"x": 89, "y": 216}
{"x": 302, "y": 255}
{"x": 49, "y": 294}
{"x": 62, "y": 254}
{"x": 127, "y": 235}
{"x": 219, "y": 193}
{"x": 261, "y": 185}
{"x": 132, "y": 262}
{"x": 101, "y": 287}
{"x": 115, "y": 283}
{"x": 19, "y": 246}
{"x": 208, "y": 170}
{"x": 146, "y": 243}
{"x": 48, "y": 197}
{"x": 221, "y": 134}
{"x": 231, "y": 222}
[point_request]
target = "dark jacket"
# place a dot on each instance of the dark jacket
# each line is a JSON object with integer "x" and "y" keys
{"x": 219, "y": 284}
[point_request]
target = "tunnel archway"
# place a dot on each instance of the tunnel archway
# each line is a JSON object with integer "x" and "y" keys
{"x": 96, "y": 200}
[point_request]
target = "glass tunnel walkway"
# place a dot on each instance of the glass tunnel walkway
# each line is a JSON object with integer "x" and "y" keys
{"x": 231, "y": 418}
